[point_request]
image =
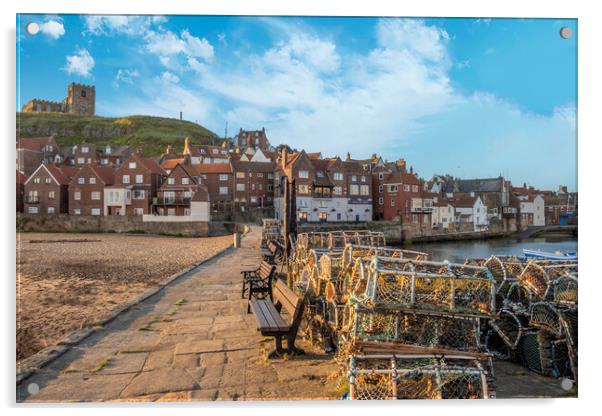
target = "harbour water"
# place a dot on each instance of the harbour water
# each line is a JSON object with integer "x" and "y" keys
{"x": 458, "y": 251}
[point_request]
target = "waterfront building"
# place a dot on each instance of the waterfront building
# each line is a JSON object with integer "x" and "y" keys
{"x": 470, "y": 209}
{"x": 46, "y": 190}
{"x": 87, "y": 189}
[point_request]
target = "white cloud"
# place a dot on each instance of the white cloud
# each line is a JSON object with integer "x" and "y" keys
{"x": 168, "y": 76}
{"x": 125, "y": 76}
{"x": 80, "y": 64}
{"x": 169, "y": 47}
{"x": 197, "y": 47}
{"x": 221, "y": 38}
{"x": 53, "y": 27}
{"x": 120, "y": 24}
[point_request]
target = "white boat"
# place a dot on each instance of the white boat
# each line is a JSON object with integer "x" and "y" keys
{"x": 545, "y": 255}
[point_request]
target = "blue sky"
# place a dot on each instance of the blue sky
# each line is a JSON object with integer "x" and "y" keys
{"x": 469, "y": 97}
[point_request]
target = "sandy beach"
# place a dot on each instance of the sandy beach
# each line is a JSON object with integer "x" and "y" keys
{"x": 68, "y": 281}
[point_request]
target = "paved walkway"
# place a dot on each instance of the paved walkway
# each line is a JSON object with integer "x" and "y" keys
{"x": 191, "y": 341}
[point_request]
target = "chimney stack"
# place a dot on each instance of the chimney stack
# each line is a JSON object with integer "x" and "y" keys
{"x": 284, "y": 155}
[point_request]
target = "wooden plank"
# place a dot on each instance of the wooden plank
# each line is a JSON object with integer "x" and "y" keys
{"x": 276, "y": 323}
{"x": 259, "y": 316}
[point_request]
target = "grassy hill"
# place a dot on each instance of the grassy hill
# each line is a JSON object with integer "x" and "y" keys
{"x": 149, "y": 134}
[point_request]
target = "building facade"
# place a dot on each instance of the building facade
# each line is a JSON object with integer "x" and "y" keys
{"x": 87, "y": 189}
{"x": 46, "y": 191}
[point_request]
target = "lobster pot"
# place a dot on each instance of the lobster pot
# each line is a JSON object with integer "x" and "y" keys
{"x": 568, "y": 320}
{"x": 545, "y": 316}
{"x": 417, "y": 329}
{"x": 518, "y": 295}
{"x": 504, "y": 334}
{"x": 535, "y": 352}
{"x": 418, "y": 377}
{"x": 564, "y": 290}
{"x": 535, "y": 278}
{"x": 562, "y": 364}
{"x": 427, "y": 291}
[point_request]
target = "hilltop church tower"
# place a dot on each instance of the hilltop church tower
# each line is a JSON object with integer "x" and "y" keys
{"x": 81, "y": 99}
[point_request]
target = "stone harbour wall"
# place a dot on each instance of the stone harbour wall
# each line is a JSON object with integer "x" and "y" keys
{"x": 63, "y": 223}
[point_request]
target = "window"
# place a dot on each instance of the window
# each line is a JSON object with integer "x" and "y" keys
{"x": 81, "y": 160}
{"x": 77, "y": 196}
{"x": 187, "y": 212}
{"x": 303, "y": 189}
{"x": 323, "y": 216}
{"x": 240, "y": 174}
{"x": 223, "y": 178}
{"x": 215, "y": 151}
{"x": 50, "y": 210}
{"x": 303, "y": 174}
{"x": 223, "y": 190}
{"x": 92, "y": 181}
{"x": 406, "y": 188}
{"x": 354, "y": 190}
{"x": 81, "y": 181}
{"x": 32, "y": 210}
{"x": 302, "y": 216}
{"x": 320, "y": 174}
{"x": 260, "y": 186}
{"x": 270, "y": 187}
{"x": 260, "y": 175}
{"x": 132, "y": 165}
{"x": 139, "y": 178}
{"x": 381, "y": 176}
{"x": 414, "y": 188}
{"x": 240, "y": 187}
{"x": 77, "y": 211}
{"x": 392, "y": 202}
{"x": 48, "y": 180}
{"x": 363, "y": 179}
{"x": 392, "y": 188}
{"x": 270, "y": 176}
{"x": 138, "y": 194}
{"x": 85, "y": 149}
{"x": 380, "y": 200}
{"x": 36, "y": 180}
{"x": 188, "y": 194}
{"x": 126, "y": 178}
{"x": 185, "y": 181}
{"x": 138, "y": 211}
{"x": 95, "y": 196}
{"x": 95, "y": 211}
{"x": 353, "y": 178}
{"x": 252, "y": 186}
{"x": 253, "y": 200}
{"x": 364, "y": 190}
{"x": 380, "y": 188}
{"x": 83, "y": 93}
{"x": 51, "y": 195}
{"x": 171, "y": 181}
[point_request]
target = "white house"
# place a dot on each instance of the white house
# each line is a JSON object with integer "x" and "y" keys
{"x": 532, "y": 210}
{"x": 471, "y": 209}
{"x": 443, "y": 213}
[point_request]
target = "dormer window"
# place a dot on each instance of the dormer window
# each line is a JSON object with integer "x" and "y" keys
{"x": 132, "y": 165}
{"x": 85, "y": 149}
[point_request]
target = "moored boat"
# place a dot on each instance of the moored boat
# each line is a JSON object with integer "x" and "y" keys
{"x": 545, "y": 255}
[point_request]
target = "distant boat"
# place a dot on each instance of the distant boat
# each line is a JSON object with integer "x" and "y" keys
{"x": 544, "y": 255}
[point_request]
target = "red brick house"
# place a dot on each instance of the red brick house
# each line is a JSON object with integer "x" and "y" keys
{"x": 46, "y": 190}
{"x": 137, "y": 181}
{"x": 86, "y": 189}
{"x": 253, "y": 184}
{"x": 82, "y": 154}
{"x": 404, "y": 196}
{"x": 178, "y": 192}
{"x": 219, "y": 180}
{"x": 21, "y": 178}
{"x": 252, "y": 138}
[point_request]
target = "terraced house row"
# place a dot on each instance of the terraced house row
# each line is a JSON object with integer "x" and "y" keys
{"x": 247, "y": 173}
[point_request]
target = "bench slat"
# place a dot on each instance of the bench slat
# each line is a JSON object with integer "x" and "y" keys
{"x": 267, "y": 316}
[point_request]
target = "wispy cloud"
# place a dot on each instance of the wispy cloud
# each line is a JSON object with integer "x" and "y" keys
{"x": 81, "y": 63}
{"x": 125, "y": 76}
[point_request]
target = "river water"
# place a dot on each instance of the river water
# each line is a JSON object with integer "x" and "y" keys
{"x": 458, "y": 251}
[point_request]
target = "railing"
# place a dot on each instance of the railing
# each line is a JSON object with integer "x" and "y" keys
{"x": 172, "y": 201}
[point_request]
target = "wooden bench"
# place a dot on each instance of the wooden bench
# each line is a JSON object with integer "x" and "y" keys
{"x": 257, "y": 282}
{"x": 276, "y": 249}
{"x": 273, "y": 323}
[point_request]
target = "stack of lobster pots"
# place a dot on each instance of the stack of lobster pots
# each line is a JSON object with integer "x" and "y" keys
{"x": 403, "y": 327}
{"x": 536, "y": 322}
